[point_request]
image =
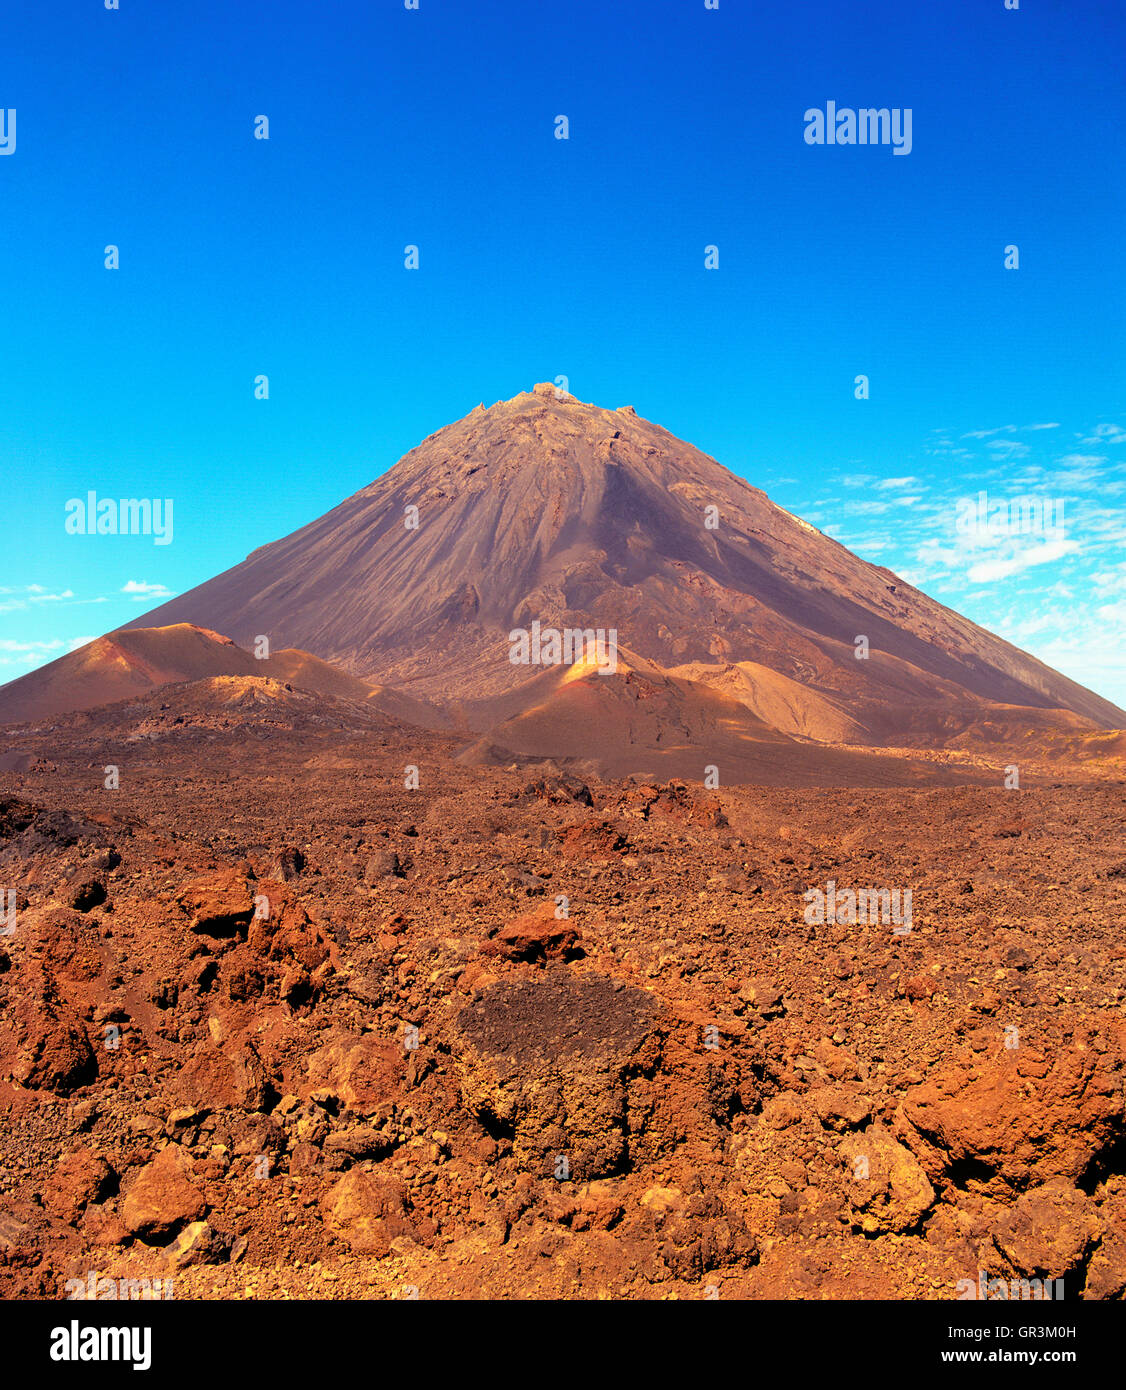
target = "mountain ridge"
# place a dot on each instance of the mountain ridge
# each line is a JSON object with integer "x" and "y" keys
{"x": 545, "y": 507}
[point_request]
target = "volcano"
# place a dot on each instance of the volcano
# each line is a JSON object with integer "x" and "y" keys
{"x": 546, "y": 508}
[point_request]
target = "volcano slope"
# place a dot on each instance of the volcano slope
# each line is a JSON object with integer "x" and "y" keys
{"x": 281, "y": 1017}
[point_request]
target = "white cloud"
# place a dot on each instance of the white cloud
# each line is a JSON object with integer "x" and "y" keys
{"x": 36, "y": 593}
{"x": 988, "y": 571}
{"x": 1107, "y": 434}
{"x": 140, "y": 590}
{"x": 25, "y": 656}
{"x": 985, "y": 434}
{"x": 9, "y": 645}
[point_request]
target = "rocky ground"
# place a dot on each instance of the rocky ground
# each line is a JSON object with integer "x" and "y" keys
{"x": 274, "y": 1024}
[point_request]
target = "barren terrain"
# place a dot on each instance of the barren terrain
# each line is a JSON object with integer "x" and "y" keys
{"x": 410, "y": 1072}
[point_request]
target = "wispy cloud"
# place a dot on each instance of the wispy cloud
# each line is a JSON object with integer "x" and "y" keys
{"x": 1061, "y": 593}
{"x": 1022, "y": 558}
{"x": 1106, "y": 434}
{"x": 1008, "y": 448}
{"x": 985, "y": 434}
{"x": 1011, "y": 429}
{"x": 25, "y": 656}
{"x": 140, "y": 589}
{"x": 9, "y": 645}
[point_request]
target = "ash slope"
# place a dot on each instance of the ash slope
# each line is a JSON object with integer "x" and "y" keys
{"x": 136, "y": 662}
{"x": 548, "y": 508}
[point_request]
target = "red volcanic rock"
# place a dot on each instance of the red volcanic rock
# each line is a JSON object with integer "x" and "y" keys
{"x": 888, "y": 1190}
{"x": 1106, "y": 1271}
{"x": 299, "y": 940}
{"x": 676, "y": 802}
{"x": 361, "y": 1071}
{"x": 104, "y": 1229}
{"x": 920, "y": 987}
{"x": 596, "y": 840}
{"x": 197, "y": 1244}
{"x": 163, "y": 1196}
{"x": 783, "y": 1111}
{"x": 840, "y": 1108}
{"x": 287, "y": 864}
{"x": 536, "y": 937}
{"x": 384, "y": 863}
{"x": 230, "y": 1074}
{"x": 1020, "y": 1114}
{"x": 1048, "y": 1230}
{"x": 764, "y": 997}
{"x": 50, "y": 1050}
{"x": 80, "y": 1178}
{"x": 560, "y": 790}
{"x": 367, "y": 1212}
{"x": 218, "y": 903}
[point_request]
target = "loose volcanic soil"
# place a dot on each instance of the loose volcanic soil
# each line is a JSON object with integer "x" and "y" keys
{"x": 273, "y": 1025}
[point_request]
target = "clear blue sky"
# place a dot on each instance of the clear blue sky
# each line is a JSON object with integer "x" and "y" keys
{"x": 585, "y": 257}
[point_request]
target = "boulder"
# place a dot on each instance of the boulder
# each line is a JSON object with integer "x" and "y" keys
{"x": 889, "y": 1190}
{"x": 536, "y": 937}
{"x": 219, "y": 903}
{"x": 367, "y": 1212}
{"x": 839, "y": 1108}
{"x": 79, "y": 1178}
{"x": 1021, "y": 1115}
{"x": 197, "y": 1244}
{"x": 1048, "y": 1231}
{"x": 51, "y": 1049}
{"x": 163, "y": 1196}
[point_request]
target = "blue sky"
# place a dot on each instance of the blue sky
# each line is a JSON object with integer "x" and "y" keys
{"x": 583, "y": 258}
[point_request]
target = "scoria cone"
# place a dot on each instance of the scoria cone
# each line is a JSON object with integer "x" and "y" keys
{"x": 543, "y": 507}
